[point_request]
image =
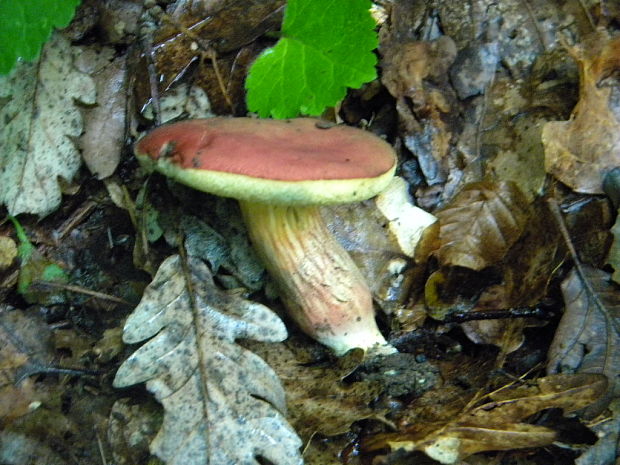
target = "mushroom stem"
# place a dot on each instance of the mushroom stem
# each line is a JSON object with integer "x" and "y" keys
{"x": 318, "y": 282}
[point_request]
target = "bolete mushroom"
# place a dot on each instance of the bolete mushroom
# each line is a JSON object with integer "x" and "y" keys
{"x": 280, "y": 171}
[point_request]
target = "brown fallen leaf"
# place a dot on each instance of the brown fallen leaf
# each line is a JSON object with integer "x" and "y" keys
{"x": 104, "y": 124}
{"x": 481, "y": 223}
{"x": 25, "y": 345}
{"x": 526, "y": 272}
{"x": 579, "y": 151}
{"x": 588, "y": 337}
{"x": 416, "y": 74}
{"x": 496, "y": 424}
{"x": 317, "y": 399}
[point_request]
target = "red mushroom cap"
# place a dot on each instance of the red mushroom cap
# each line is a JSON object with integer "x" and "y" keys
{"x": 296, "y": 161}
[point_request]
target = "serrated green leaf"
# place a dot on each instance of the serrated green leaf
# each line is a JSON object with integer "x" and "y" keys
{"x": 326, "y": 46}
{"x": 26, "y": 25}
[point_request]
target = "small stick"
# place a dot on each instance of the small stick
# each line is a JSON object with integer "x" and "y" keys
{"x": 80, "y": 290}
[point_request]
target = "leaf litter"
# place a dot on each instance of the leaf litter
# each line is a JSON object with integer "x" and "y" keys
{"x": 496, "y": 424}
{"x": 445, "y": 144}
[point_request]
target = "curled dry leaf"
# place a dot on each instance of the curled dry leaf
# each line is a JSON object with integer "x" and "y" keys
{"x": 496, "y": 425}
{"x": 578, "y": 152}
{"x": 40, "y": 119}
{"x": 588, "y": 337}
{"x": 481, "y": 224}
{"x": 222, "y": 403}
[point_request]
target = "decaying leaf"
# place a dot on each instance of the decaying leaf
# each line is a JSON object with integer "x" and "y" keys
{"x": 526, "y": 273}
{"x": 8, "y": 252}
{"x": 416, "y": 74}
{"x": 131, "y": 427}
{"x": 16, "y": 448}
{"x": 480, "y": 224}
{"x": 608, "y": 433}
{"x": 578, "y": 152}
{"x": 588, "y": 337}
{"x": 181, "y": 101}
{"x": 507, "y": 334}
{"x": 40, "y": 119}
{"x": 318, "y": 400}
{"x": 222, "y": 403}
{"x": 25, "y": 347}
{"x": 496, "y": 425}
{"x": 104, "y": 125}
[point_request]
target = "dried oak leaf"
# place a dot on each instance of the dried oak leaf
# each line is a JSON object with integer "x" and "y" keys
{"x": 222, "y": 403}
{"x": 588, "y": 337}
{"x": 579, "y": 151}
{"x": 40, "y": 118}
{"x": 496, "y": 425}
{"x": 481, "y": 223}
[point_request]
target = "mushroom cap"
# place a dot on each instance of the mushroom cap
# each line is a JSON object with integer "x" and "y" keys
{"x": 286, "y": 162}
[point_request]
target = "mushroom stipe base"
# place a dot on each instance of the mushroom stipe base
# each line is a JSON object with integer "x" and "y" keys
{"x": 322, "y": 288}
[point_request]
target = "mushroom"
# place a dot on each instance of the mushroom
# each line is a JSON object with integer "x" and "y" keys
{"x": 281, "y": 171}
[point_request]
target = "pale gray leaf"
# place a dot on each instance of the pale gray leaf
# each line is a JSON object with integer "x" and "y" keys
{"x": 223, "y": 404}
{"x": 40, "y": 122}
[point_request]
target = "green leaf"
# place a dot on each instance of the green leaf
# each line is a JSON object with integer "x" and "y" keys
{"x": 326, "y": 46}
{"x": 25, "y": 248}
{"x": 36, "y": 268}
{"x": 25, "y": 25}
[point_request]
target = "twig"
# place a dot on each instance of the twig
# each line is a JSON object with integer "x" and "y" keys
{"x": 587, "y": 13}
{"x": 100, "y": 445}
{"x": 207, "y": 51}
{"x": 147, "y": 44}
{"x": 37, "y": 368}
{"x": 76, "y": 218}
{"x": 501, "y": 314}
{"x": 80, "y": 290}
{"x": 539, "y": 33}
